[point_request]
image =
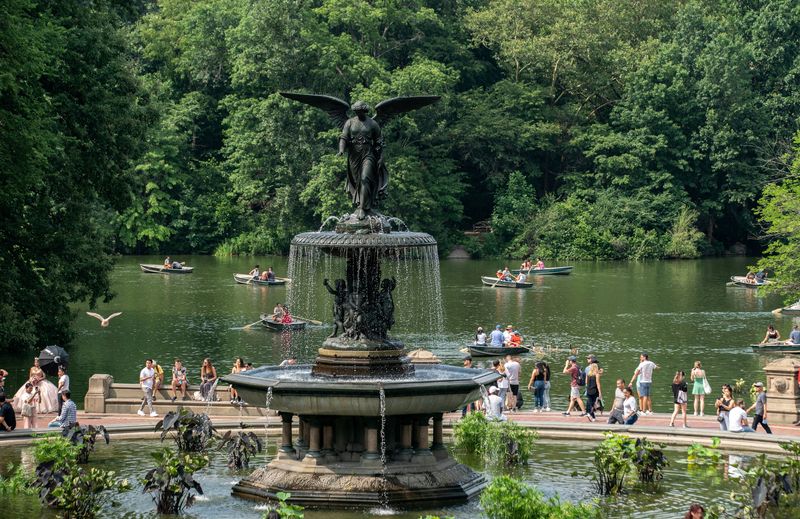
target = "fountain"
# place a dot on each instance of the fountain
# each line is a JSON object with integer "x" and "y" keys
{"x": 363, "y": 410}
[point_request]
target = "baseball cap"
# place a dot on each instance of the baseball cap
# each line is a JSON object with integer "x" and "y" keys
{"x": 493, "y": 389}
{"x": 758, "y": 384}
{"x": 572, "y": 357}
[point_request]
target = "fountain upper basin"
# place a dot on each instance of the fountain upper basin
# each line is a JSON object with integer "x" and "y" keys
{"x": 430, "y": 389}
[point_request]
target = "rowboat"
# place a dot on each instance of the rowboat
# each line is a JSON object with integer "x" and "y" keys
{"x": 493, "y": 351}
{"x": 277, "y": 326}
{"x": 247, "y": 279}
{"x": 161, "y": 269}
{"x": 793, "y": 310}
{"x": 777, "y": 347}
{"x": 550, "y": 271}
{"x": 494, "y": 282}
{"x": 742, "y": 281}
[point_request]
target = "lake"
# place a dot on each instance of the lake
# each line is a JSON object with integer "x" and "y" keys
{"x": 677, "y": 311}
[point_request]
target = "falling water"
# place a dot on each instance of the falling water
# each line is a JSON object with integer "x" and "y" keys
{"x": 384, "y": 491}
{"x": 268, "y": 401}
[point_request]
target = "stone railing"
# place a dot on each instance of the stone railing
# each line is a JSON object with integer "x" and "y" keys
{"x": 106, "y": 396}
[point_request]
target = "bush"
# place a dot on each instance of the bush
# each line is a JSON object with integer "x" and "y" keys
{"x": 77, "y": 492}
{"x": 240, "y": 448}
{"x": 649, "y": 461}
{"x": 684, "y": 238}
{"x": 508, "y": 498}
{"x": 171, "y": 484}
{"x": 505, "y": 442}
{"x": 612, "y": 461}
{"x": 55, "y": 448}
{"x": 84, "y": 438}
{"x": 193, "y": 432}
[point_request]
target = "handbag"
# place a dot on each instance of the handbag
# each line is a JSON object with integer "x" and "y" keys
{"x": 720, "y": 418}
{"x": 706, "y": 386}
{"x": 27, "y": 410}
{"x": 682, "y": 397}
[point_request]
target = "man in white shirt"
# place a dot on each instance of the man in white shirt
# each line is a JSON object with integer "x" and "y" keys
{"x": 63, "y": 386}
{"x": 737, "y": 419}
{"x": 494, "y": 405}
{"x": 147, "y": 378}
{"x": 645, "y": 369}
{"x": 512, "y": 370}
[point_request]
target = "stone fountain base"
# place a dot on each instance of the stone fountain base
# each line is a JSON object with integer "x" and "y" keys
{"x": 413, "y": 484}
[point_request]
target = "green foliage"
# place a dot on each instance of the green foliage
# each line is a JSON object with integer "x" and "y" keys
{"x": 192, "y": 432}
{"x": 508, "y": 498}
{"x": 283, "y": 509}
{"x": 84, "y": 437}
{"x": 77, "y": 492}
{"x": 171, "y": 483}
{"x": 698, "y": 454}
{"x": 54, "y": 448}
{"x": 240, "y": 447}
{"x": 497, "y": 442}
{"x": 18, "y": 481}
{"x": 684, "y": 238}
{"x": 618, "y": 455}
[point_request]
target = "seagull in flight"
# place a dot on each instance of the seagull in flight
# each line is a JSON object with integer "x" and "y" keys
{"x": 103, "y": 320}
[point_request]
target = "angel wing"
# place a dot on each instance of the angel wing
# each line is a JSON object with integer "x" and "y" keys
{"x": 335, "y": 107}
{"x": 391, "y": 108}
{"x": 96, "y": 316}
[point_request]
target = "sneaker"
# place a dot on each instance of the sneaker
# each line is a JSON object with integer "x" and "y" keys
{"x": 140, "y": 412}
{"x": 701, "y": 414}
{"x": 583, "y": 414}
{"x": 153, "y": 413}
{"x": 548, "y": 409}
{"x": 174, "y": 398}
{"x": 685, "y": 426}
{"x": 695, "y": 414}
{"x": 640, "y": 413}
{"x": 648, "y": 413}
{"x": 672, "y": 425}
{"x": 565, "y": 413}
{"x": 590, "y": 418}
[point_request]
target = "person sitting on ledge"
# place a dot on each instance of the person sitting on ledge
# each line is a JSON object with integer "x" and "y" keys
{"x": 494, "y": 405}
{"x": 69, "y": 414}
{"x": 629, "y": 414}
{"x": 737, "y": 419}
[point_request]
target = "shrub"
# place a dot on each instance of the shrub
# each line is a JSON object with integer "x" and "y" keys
{"x": 240, "y": 448}
{"x": 55, "y": 448}
{"x": 171, "y": 484}
{"x": 612, "y": 460}
{"x": 684, "y": 238}
{"x": 77, "y": 492}
{"x": 193, "y": 432}
{"x": 84, "y": 438}
{"x": 509, "y": 498}
{"x": 649, "y": 461}
{"x": 508, "y": 442}
{"x": 470, "y": 431}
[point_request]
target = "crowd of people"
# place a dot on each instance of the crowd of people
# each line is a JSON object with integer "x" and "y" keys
{"x": 37, "y": 396}
{"x": 499, "y": 338}
{"x": 632, "y": 399}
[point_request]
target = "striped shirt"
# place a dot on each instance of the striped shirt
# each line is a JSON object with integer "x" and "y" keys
{"x": 69, "y": 415}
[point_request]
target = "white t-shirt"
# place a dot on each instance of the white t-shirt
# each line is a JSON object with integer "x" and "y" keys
{"x": 480, "y": 338}
{"x": 64, "y": 379}
{"x": 513, "y": 368}
{"x": 147, "y": 372}
{"x": 646, "y": 368}
{"x": 494, "y": 407}
{"x": 506, "y": 336}
{"x": 735, "y": 416}
{"x": 629, "y": 406}
{"x": 502, "y": 382}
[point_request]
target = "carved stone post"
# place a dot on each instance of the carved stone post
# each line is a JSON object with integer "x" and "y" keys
{"x": 302, "y": 433}
{"x": 422, "y": 451}
{"x": 371, "y": 442}
{"x": 438, "y": 448}
{"x": 783, "y": 394}
{"x": 286, "y": 434}
{"x": 314, "y": 437}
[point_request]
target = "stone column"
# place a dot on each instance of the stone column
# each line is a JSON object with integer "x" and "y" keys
{"x": 314, "y": 437}
{"x": 783, "y": 394}
{"x": 302, "y": 433}
{"x": 286, "y": 434}
{"x": 438, "y": 448}
{"x": 422, "y": 451}
{"x": 406, "y": 427}
{"x": 327, "y": 441}
{"x": 372, "y": 452}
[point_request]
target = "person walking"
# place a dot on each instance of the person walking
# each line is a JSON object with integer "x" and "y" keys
{"x": 593, "y": 390}
{"x": 28, "y": 401}
{"x": 724, "y": 404}
{"x": 572, "y": 369}
{"x": 680, "y": 397}
{"x": 760, "y": 407}
{"x": 513, "y": 369}
{"x": 502, "y": 383}
{"x": 147, "y": 379}
{"x": 698, "y": 376}
{"x": 645, "y": 369}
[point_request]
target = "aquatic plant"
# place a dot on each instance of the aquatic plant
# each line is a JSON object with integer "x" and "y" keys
{"x": 84, "y": 438}
{"x": 17, "y": 482}
{"x": 53, "y": 447}
{"x": 618, "y": 455}
{"x": 78, "y": 493}
{"x": 240, "y": 448}
{"x": 649, "y": 460}
{"x": 171, "y": 483}
{"x": 509, "y": 498}
{"x": 193, "y": 432}
{"x": 698, "y": 454}
{"x": 505, "y": 442}
{"x": 283, "y": 509}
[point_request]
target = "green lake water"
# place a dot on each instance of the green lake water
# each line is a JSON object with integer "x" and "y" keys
{"x": 678, "y": 311}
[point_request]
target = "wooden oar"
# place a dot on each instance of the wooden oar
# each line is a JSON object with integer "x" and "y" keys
{"x": 251, "y": 324}
{"x": 312, "y": 321}
{"x": 496, "y": 282}
{"x": 777, "y": 311}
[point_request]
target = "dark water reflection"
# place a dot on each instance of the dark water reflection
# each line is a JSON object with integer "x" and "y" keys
{"x": 678, "y": 311}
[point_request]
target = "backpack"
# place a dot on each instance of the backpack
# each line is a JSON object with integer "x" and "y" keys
{"x": 581, "y": 376}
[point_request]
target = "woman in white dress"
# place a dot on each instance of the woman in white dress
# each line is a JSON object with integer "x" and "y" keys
{"x": 47, "y": 401}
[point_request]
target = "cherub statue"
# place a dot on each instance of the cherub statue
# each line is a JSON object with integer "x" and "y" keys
{"x": 339, "y": 304}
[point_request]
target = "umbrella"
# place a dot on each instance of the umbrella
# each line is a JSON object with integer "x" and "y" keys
{"x": 51, "y": 357}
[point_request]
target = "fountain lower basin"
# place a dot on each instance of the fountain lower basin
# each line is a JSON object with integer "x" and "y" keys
{"x": 429, "y": 389}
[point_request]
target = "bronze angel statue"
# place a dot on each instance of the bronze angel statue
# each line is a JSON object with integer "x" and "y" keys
{"x": 367, "y": 177}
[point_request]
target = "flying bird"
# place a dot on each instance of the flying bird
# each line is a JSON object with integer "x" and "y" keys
{"x": 103, "y": 320}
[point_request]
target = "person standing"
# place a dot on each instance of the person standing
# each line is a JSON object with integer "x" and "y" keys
{"x": 645, "y": 369}
{"x": 513, "y": 369}
{"x": 63, "y": 386}
{"x": 8, "y": 418}
{"x": 572, "y": 369}
{"x": 724, "y": 404}
{"x": 698, "y": 376}
{"x": 471, "y": 406}
{"x": 502, "y": 382}
{"x": 158, "y": 382}
{"x": 147, "y": 378}
{"x": 760, "y": 406}
{"x": 680, "y": 397}
{"x": 593, "y": 390}
{"x": 179, "y": 380}
{"x": 28, "y": 401}
{"x": 616, "y": 415}
{"x": 546, "y": 394}
{"x": 537, "y": 382}
{"x": 68, "y": 416}
{"x": 737, "y": 419}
